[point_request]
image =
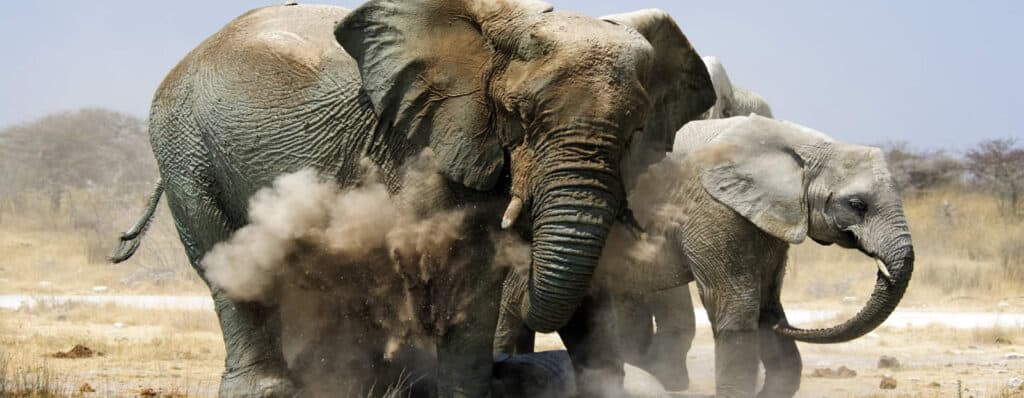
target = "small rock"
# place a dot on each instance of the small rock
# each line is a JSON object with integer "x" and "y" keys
{"x": 888, "y": 362}
{"x": 1003, "y": 340}
{"x": 147, "y": 393}
{"x": 1015, "y": 383}
{"x": 1013, "y": 355}
{"x": 934, "y": 384}
{"x": 888, "y": 383}
{"x": 99, "y": 289}
{"x": 118, "y": 325}
{"x": 85, "y": 387}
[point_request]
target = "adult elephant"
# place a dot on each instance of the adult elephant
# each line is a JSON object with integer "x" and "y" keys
{"x": 732, "y": 100}
{"x": 724, "y": 211}
{"x": 520, "y": 104}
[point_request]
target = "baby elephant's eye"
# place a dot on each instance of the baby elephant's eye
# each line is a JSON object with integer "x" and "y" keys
{"x": 858, "y": 205}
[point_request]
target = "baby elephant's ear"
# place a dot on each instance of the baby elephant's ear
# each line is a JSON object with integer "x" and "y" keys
{"x": 751, "y": 168}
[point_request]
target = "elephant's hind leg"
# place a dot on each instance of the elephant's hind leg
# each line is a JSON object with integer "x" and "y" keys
{"x": 254, "y": 364}
{"x": 590, "y": 339}
{"x": 676, "y": 327}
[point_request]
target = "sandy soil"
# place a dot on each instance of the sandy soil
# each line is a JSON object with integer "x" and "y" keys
{"x": 178, "y": 352}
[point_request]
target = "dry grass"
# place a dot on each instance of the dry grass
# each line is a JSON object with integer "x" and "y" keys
{"x": 63, "y": 249}
{"x": 30, "y": 381}
{"x": 172, "y": 352}
{"x": 968, "y": 256}
{"x": 965, "y": 251}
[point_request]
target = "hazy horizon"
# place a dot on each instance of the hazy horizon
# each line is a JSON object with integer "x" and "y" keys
{"x": 938, "y": 76}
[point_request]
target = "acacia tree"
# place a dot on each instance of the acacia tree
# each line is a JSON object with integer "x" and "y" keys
{"x": 998, "y": 165}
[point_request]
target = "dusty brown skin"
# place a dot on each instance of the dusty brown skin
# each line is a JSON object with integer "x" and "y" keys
{"x": 274, "y": 92}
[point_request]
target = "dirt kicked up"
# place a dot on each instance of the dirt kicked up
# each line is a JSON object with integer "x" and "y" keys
{"x": 171, "y": 352}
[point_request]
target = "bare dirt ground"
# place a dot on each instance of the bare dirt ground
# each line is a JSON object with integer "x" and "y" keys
{"x": 153, "y": 352}
{"x": 969, "y": 272}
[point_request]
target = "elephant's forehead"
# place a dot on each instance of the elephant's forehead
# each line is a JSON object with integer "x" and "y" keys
{"x": 582, "y": 35}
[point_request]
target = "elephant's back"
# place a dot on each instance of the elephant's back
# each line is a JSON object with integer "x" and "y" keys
{"x": 270, "y": 93}
{"x": 273, "y": 58}
{"x": 299, "y": 36}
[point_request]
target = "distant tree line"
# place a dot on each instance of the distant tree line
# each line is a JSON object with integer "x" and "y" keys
{"x": 97, "y": 149}
{"x": 84, "y": 149}
{"x": 994, "y": 166}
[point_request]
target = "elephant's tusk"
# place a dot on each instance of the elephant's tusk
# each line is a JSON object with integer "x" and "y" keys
{"x": 883, "y": 269}
{"x": 511, "y": 212}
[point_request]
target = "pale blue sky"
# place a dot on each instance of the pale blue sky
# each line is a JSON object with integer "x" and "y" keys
{"x": 938, "y": 74}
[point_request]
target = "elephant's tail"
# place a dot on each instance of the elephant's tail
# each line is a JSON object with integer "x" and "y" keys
{"x": 130, "y": 240}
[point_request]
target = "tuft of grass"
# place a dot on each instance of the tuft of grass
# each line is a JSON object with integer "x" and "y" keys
{"x": 31, "y": 380}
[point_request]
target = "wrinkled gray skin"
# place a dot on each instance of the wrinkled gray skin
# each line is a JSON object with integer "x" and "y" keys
{"x": 663, "y": 353}
{"x": 727, "y": 210}
{"x": 514, "y": 100}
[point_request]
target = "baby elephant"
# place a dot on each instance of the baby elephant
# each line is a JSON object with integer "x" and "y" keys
{"x": 724, "y": 211}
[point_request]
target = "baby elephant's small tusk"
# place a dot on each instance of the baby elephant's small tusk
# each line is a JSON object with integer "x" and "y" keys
{"x": 511, "y": 212}
{"x": 883, "y": 269}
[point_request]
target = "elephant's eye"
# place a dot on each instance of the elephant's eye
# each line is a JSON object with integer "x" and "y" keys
{"x": 858, "y": 205}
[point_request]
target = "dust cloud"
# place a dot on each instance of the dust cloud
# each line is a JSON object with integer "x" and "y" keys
{"x": 366, "y": 280}
{"x": 633, "y": 261}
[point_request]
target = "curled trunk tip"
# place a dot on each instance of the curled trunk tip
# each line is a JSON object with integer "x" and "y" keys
{"x": 890, "y": 285}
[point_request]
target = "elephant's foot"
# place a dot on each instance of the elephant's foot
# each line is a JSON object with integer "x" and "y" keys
{"x": 258, "y": 383}
{"x": 675, "y": 377}
{"x": 777, "y": 393}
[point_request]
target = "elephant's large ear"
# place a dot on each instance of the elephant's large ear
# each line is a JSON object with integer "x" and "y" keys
{"x": 751, "y": 168}
{"x": 679, "y": 86}
{"x": 423, "y": 65}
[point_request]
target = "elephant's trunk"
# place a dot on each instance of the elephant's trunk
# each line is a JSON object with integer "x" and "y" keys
{"x": 576, "y": 198}
{"x": 898, "y": 258}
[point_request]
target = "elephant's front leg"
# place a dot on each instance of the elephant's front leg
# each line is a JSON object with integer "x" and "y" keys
{"x": 464, "y": 353}
{"x": 733, "y": 314}
{"x": 590, "y": 338}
